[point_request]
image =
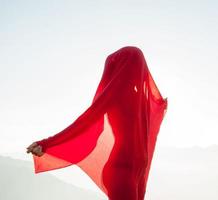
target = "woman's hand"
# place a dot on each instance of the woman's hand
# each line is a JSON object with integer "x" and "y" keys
{"x": 35, "y": 149}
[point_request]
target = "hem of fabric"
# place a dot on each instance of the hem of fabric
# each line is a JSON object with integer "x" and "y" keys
{"x": 36, "y": 171}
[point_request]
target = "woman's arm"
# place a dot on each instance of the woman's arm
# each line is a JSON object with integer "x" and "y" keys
{"x": 120, "y": 69}
{"x": 98, "y": 107}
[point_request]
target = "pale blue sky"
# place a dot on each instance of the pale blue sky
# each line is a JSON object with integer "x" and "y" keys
{"x": 52, "y": 56}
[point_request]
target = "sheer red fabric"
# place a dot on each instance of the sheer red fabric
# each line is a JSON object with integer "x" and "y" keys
{"x": 113, "y": 141}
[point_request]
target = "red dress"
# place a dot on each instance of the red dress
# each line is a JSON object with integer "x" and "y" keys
{"x": 113, "y": 141}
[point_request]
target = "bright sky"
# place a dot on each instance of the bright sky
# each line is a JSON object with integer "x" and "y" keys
{"x": 52, "y": 56}
{"x": 53, "y": 52}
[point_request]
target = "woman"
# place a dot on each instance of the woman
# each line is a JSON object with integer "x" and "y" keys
{"x": 113, "y": 141}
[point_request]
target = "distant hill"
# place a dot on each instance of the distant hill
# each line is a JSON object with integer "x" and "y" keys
{"x": 18, "y": 182}
{"x": 176, "y": 174}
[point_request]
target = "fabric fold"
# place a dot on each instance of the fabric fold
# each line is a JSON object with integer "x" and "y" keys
{"x": 118, "y": 131}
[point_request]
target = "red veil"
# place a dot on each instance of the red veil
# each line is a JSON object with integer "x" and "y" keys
{"x": 113, "y": 141}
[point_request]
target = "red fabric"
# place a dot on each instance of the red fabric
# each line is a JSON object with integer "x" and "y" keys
{"x": 113, "y": 141}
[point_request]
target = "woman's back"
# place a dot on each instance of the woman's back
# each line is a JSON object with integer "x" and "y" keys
{"x": 114, "y": 139}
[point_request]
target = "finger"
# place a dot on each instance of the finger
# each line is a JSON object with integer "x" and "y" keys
{"x": 37, "y": 152}
{"x": 34, "y": 153}
{"x": 35, "y": 149}
{"x": 28, "y": 151}
{"x": 32, "y": 145}
{"x": 39, "y": 148}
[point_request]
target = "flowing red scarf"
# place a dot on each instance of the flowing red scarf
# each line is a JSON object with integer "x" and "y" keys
{"x": 113, "y": 141}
